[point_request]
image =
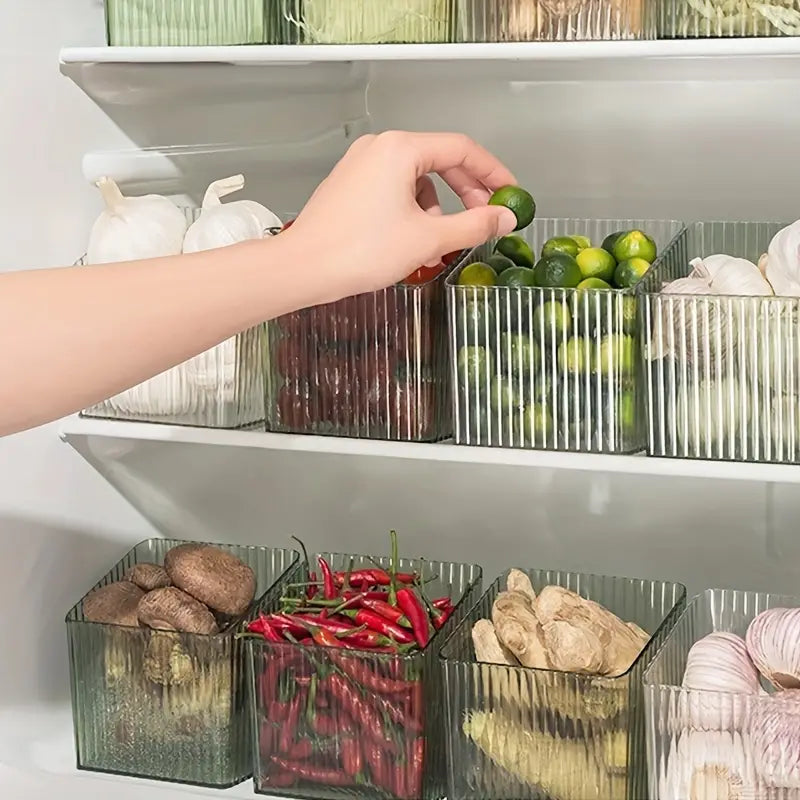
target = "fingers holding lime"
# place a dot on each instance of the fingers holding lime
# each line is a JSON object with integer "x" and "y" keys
{"x": 519, "y": 201}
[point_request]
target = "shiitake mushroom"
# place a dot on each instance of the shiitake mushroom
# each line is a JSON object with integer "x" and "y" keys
{"x": 148, "y": 576}
{"x": 171, "y": 609}
{"x": 114, "y": 604}
{"x": 220, "y": 580}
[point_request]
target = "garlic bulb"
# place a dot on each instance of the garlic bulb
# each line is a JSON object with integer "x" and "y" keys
{"x": 734, "y": 276}
{"x": 708, "y": 766}
{"x": 783, "y": 261}
{"x": 717, "y": 667}
{"x": 708, "y": 414}
{"x": 131, "y": 228}
{"x": 785, "y": 428}
{"x": 775, "y": 740}
{"x": 773, "y": 641}
{"x": 220, "y": 225}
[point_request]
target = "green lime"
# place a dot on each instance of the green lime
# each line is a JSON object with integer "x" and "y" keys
{"x": 615, "y": 355}
{"x": 583, "y": 241}
{"x": 552, "y": 321}
{"x": 629, "y": 309}
{"x": 477, "y": 274}
{"x": 629, "y": 273}
{"x": 596, "y": 263}
{"x": 505, "y": 395}
{"x": 593, "y": 283}
{"x": 518, "y": 355}
{"x": 474, "y": 321}
{"x": 515, "y": 248}
{"x": 560, "y": 244}
{"x": 474, "y": 366}
{"x": 611, "y": 240}
{"x": 517, "y": 276}
{"x": 574, "y": 354}
{"x": 519, "y": 201}
{"x": 626, "y": 414}
{"x": 499, "y": 263}
{"x": 536, "y": 426}
{"x": 634, "y": 244}
{"x": 557, "y": 270}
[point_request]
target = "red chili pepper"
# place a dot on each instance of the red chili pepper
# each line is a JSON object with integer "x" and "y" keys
{"x": 325, "y": 638}
{"x": 411, "y": 605}
{"x": 288, "y": 729}
{"x": 385, "y": 610}
{"x": 442, "y": 603}
{"x": 379, "y": 766}
{"x": 283, "y": 622}
{"x": 310, "y": 621}
{"x": 352, "y": 758}
{"x": 276, "y": 664}
{"x": 303, "y": 748}
{"x": 333, "y": 777}
{"x": 374, "y": 577}
{"x": 367, "y": 716}
{"x": 262, "y": 626}
{"x": 399, "y": 715}
{"x": 278, "y": 780}
{"x": 329, "y": 586}
{"x": 372, "y": 640}
{"x": 360, "y": 672}
{"x": 325, "y": 724}
{"x": 442, "y": 617}
{"x": 415, "y": 761}
{"x": 375, "y": 622}
{"x": 267, "y": 739}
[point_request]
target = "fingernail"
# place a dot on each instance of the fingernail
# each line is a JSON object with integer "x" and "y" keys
{"x": 508, "y": 221}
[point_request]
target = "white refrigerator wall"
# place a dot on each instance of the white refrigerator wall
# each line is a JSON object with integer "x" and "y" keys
{"x": 588, "y": 145}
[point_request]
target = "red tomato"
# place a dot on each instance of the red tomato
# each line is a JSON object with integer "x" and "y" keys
{"x": 451, "y": 257}
{"x": 291, "y": 358}
{"x": 298, "y": 406}
{"x": 336, "y": 322}
{"x": 424, "y": 274}
{"x": 413, "y": 410}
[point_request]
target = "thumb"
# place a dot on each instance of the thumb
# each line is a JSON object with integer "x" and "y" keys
{"x": 473, "y": 227}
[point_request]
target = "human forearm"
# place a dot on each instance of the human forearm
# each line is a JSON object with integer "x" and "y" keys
{"x": 74, "y": 336}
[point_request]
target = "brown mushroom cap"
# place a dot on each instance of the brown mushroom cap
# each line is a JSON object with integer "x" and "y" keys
{"x": 114, "y": 604}
{"x": 215, "y": 577}
{"x": 170, "y": 609}
{"x": 148, "y": 576}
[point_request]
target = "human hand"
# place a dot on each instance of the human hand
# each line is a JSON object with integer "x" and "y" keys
{"x": 376, "y": 218}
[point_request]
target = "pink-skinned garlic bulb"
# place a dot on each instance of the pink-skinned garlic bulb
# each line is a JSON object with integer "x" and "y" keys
{"x": 773, "y": 642}
{"x": 775, "y": 740}
{"x": 718, "y": 666}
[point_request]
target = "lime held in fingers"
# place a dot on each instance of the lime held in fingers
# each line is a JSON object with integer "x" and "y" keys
{"x": 477, "y": 274}
{"x": 515, "y": 248}
{"x": 519, "y": 201}
{"x": 634, "y": 244}
{"x": 629, "y": 273}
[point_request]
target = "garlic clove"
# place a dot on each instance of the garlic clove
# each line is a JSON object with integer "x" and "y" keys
{"x": 221, "y": 225}
{"x": 773, "y": 641}
{"x": 783, "y": 261}
{"x": 738, "y": 276}
{"x": 132, "y": 228}
{"x": 775, "y": 740}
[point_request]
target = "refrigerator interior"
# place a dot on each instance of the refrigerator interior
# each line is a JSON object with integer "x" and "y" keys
{"x": 676, "y": 139}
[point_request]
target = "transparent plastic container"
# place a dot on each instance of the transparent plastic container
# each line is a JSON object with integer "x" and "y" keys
{"x": 133, "y": 23}
{"x": 554, "y": 20}
{"x": 366, "y": 21}
{"x": 550, "y": 369}
{"x": 692, "y": 19}
{"x": 396, "y": 744}
{"x": 165, "y": 705}
{"x": 220, "y": 388}
{"x": 535, "y": 734}
{"x": 370, "y": 366}
{"x": 723, "y": 372}
{"x": 704, "y": 744}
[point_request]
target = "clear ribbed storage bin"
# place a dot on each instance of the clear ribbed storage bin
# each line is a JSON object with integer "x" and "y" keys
{"x": 554, "y": 20}
{"x": 691, "y": 19}
{"x": 220, "y": 388}
{"x": 135, "y": 23}
{"x": 394, "y": 749}
{"x": 535, "y": 734}
{"x": 165, "y": 705}
{"x": 722, "y": 371}
{"x": 705, "y": 744}
{"x": 370, "y": 366}
{"x": 550, "y": 369}
{"x": 365, "y": 21}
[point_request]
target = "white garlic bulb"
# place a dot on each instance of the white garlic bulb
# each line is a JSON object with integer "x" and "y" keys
{"x": 733, "y": 276}
{"x": 775, "y": 355}
{"x": 773, "y": 641}
{"x": 783, "y": 261}
{"x": 131, "y": 228}
{"x": 708, "y": 766}
{"x": 717, "y": 668}
{"x": 220, "y": 225}
{"x": 775, "y": 740}
{"x": 785, "y": 428}
{"x": 708, "y": 415}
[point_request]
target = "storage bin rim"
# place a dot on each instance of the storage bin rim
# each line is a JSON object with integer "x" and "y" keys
{"x": 436, "y": 637}
{"x": 72, "y": 617}
{"x": 497, "y": 583}
{"x": 685, "y": 615}
{"x": 680, "y": 226}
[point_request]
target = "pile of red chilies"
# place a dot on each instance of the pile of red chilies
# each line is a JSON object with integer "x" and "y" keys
{"x": 336, "y": 718}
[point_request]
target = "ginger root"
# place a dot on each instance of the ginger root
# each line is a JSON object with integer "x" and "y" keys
{"x": 488, "y": 649}
{"x": 518, "y": 581}
{"x": 518, "y": 629}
